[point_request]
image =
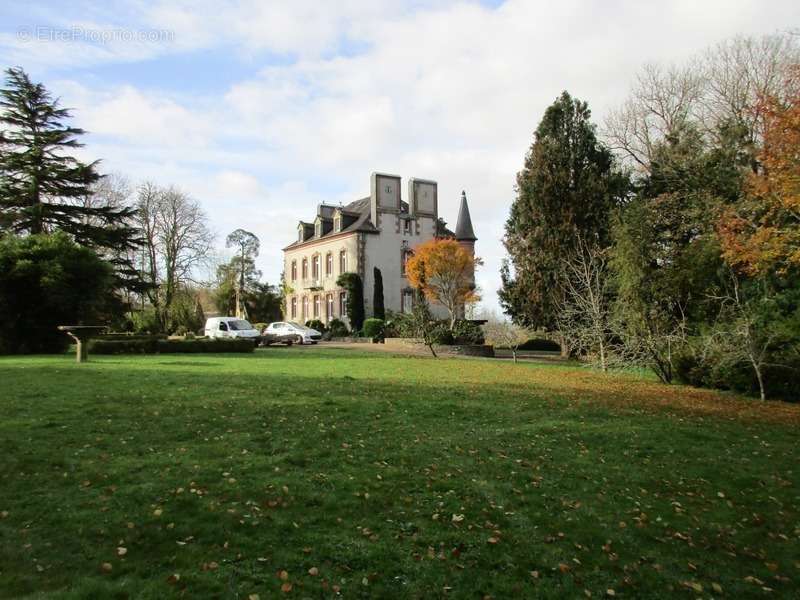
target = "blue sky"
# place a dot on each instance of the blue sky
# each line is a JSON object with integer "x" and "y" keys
{"x": 262, "y": 109}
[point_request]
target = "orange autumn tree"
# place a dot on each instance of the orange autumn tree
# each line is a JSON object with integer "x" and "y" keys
{"x": 762, "y": 234}
{"x": 444, "y": 271}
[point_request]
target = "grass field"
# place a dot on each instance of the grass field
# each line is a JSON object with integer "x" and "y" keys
{"x": 306, "y": 473}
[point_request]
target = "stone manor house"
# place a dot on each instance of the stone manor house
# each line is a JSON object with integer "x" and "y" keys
{"x": 380, "y": 231}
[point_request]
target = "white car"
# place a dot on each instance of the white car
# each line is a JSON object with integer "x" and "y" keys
{"x": 231, "y": 328}
{"x": 289, "y": 332}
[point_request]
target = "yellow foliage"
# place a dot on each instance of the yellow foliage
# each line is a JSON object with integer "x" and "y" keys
{"x": 445, "y": 272}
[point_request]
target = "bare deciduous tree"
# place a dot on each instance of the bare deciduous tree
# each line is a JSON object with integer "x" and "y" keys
{"x": 505, "y": 334}
{"x": 584, "y": 312}
{"x": 177, "y": 241}
{"x": 661, "y": 100}
{"x": 721, "y": 86}
{"x": 746, "y": 337}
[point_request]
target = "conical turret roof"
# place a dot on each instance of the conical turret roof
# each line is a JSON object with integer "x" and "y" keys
{"x": 464, "y": 231}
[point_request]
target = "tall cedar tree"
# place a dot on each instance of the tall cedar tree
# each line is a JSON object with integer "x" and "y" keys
{"x": 568, "y": 187}
{"x": 42, "y": 187}
{"x": 378, "y": 309}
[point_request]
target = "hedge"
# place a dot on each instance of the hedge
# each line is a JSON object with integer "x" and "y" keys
{"x": 129, "y": 337}
{"x": 161, "y": 346}
{"x": 541, "y": 345}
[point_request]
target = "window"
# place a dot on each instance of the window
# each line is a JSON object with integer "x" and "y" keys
{"x": 329, "y": 264}
{"x": 404, "y": 256}
{"x": 337, "y": 223}
{"x": 316, "y": 306}
{"x": 305, "y": 308}
{"x": 407, "y": 301}
{"x": 343, "y": 261}
{"x": 407, "y": 226}
{"x": 343, "y": 304}
{"x": 329, "y": 306}
{"x": 305, "y": 268}
{"x": 223, "y": 326}
{"x": 294, "y": 270}
{"x": 315, "y": 267}
{"x": 318, "y": 228}
{"x": 294, "y": 307}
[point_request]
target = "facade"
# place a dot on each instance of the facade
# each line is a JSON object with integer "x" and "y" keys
{"x": 380, "y": 231}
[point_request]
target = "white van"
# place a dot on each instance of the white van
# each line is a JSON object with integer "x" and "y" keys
{"x": 231, "y": 327}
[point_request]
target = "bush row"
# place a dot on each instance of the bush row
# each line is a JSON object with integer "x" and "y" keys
{"x": 540, "y": 345}
{"x": 154, "y": 345}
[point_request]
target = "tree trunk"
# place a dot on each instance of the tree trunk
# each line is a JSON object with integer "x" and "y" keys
{"x": 603, "y": 365}
{"x": 760, "y": 378}
{"x": 562, "y": 342}
{"x": 514, "y": 354}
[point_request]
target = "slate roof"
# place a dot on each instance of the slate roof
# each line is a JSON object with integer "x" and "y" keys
{"x": 464, "y": 231}
{"x": 356, "y": 217}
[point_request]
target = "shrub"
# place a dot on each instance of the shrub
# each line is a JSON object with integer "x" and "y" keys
{"x": 156, "y": 345}
{"x": 145, "y": 321}
{"x": 373, "y": 328}
{"x": 47, "y": 281}
{"x": 441, "y": 334}
{"x": 540, "y": 345}
{"x": 316, "y": 324}
{"x": 260, "y": 326}
{"x": 337, "y": 328}
{"x": 468, "y": 333}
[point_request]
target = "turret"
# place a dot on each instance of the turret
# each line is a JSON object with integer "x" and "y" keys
{"x": 464, "y": 232}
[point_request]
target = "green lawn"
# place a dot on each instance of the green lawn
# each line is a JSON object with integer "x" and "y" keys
{"x": 321, "y": 471}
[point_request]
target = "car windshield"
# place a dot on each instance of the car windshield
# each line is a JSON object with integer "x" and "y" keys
{"x": 295, "y": 325}
{"x": 239, "y": 325}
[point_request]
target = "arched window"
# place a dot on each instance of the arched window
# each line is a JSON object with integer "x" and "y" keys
{"x": 305, "y": 308}
{"x": 294, "y": 270}
{"x": 342, "y": 261}
{"x": 329, "y": 264}
{"x": 294, "y": 307}
{"x": 343, "y": 304}
{"x": 329, "y": 306}
{"x": 316, "y": 306}
{"x": 305, "y": 268}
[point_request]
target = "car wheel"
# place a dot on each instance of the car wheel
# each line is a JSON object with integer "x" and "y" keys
{"x": 299, "y": 340}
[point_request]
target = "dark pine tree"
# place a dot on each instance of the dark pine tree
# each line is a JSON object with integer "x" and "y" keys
{"x": 378, "y": 310}
{"x": 43, "y": 188}
{"x": 568, "y": 187}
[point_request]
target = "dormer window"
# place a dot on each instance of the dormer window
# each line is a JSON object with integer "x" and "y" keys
{"x": 337, "y": 222}
{"x": 300, "y": 232}
{"x": 318, "y": 228}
